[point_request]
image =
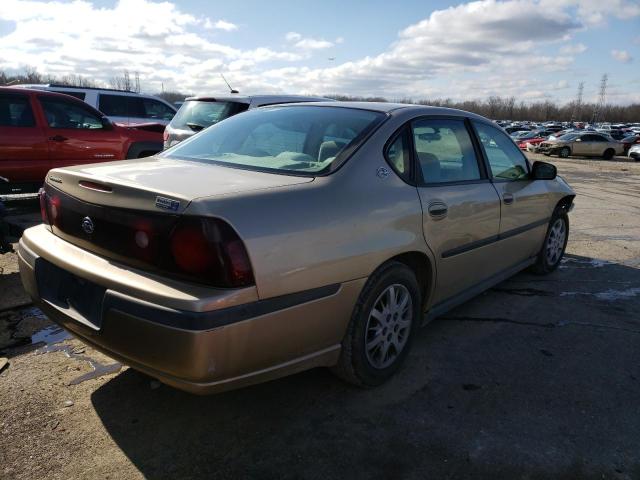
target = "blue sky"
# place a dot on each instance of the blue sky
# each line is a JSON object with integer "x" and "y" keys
{"x": 530, "y": 49}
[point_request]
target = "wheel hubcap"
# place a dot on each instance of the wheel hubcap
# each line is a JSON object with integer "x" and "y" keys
{"x": 555, "y": 241}
{"x": 388, "y": 326}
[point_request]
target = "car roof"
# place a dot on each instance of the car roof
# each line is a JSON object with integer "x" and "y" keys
{"x": 389, "y": 107}
{"x": 264, "y": 99}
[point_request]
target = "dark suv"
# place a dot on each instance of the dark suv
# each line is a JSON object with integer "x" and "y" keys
{"x": 197, "y": 113}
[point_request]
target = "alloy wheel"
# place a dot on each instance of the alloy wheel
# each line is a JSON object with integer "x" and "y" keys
{"x": 388, "y": 326}
{"x": 556, "y": 241}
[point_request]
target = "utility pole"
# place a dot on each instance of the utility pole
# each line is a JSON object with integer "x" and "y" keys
{"x": 601, "y": 99}
{"x": 577, "y": 106}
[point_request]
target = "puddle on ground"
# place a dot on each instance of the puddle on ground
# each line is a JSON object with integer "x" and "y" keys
{"x": 50, "y": 335}
{"x": 53, "y": 336}
{"x": 76, "y": 353}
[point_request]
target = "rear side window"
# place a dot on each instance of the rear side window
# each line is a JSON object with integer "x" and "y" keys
{"x": 444, "y": 151}
{"x": 115, "y": 105}
{"x": 68, "y": 114}
{"x": 196, "y": 114}
{"x": 505, "y": 159}
{"x": 398, "y": 154}
{"x": 15, "y": 111}
{"x": 78, "y": 95}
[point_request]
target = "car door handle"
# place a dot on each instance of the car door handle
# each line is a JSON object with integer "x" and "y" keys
{"x": 58, "y": 138}
{"x": 438, "y": 209}
{"x": 507, "y": 198}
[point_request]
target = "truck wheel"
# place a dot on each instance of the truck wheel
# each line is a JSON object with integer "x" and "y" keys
{"x": 608, "y": 154}
{"x": 564, "y": 152}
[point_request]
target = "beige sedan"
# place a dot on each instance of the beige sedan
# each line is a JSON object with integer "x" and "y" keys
{"x": 290, "y": 237}
{"x": 589, "y": 144}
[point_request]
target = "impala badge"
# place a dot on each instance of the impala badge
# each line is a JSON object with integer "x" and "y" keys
{"x": 87, "y": 225}
{"x": 167, "y": 204}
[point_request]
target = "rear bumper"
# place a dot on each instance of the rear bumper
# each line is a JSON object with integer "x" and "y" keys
{"x": 224, "y": 346}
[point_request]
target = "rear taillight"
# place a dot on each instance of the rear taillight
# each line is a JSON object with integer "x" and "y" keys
{"x": 49, "y": 208}
{"x": 210, "y": 250}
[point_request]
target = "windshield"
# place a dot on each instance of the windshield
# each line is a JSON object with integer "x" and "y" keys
{"x": 297, "y": 139}
{"x": 198, "y": 114}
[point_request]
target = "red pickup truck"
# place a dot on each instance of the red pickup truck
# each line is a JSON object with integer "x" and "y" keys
{"x": 43, "y": 130}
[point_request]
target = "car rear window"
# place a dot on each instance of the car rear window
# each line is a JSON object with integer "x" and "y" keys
{"x": 305, "y": 140}
{"x": 198, "y": 114}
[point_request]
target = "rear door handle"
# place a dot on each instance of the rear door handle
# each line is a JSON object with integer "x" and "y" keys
{"x": 58, "y": 138}
{"x": 438, "y": 209}
{"x": 507, "y": 198}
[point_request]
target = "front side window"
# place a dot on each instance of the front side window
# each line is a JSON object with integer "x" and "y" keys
{"x": 65, "y": 114}
{"x": 505, "y": 159}
{"x": 444, "y": 151}
{"x": 296, "y": 139}
{"x": 15, "y": 111}
{"x": 156, "y": 109}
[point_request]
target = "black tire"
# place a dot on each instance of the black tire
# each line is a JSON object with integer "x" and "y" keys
{"x": 564, "y": 152}
{"x": 354, "y": 365}
{"x": 546, "y": 154}
{"x": 608, "y": 154}
{"x": 544, "y": 264}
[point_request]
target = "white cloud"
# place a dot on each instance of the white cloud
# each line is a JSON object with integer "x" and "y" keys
{"x": 471, "y": 50}
{"x": 221, "y": 25}
{"x": 622, "y": 56}
{"x": 293, "y": 36}
{"x": 307, "y": 43}
{"x": 573, "y": 49}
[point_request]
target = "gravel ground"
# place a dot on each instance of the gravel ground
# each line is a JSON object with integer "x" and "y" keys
{"x": 537, "y": 378}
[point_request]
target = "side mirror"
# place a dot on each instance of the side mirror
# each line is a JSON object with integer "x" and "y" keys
{"x": 106, "y": 123}
{"x": 543, "y": 171}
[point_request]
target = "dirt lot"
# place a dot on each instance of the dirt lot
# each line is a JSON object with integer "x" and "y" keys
{"x": 537, "y": 378}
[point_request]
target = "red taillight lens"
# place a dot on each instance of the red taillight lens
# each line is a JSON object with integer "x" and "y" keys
{"x": 210, "y": 250}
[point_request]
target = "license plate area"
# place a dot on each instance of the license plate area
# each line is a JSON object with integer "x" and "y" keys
{"x": 76, "y": 297}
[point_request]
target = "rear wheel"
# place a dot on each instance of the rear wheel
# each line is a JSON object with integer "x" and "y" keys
{"x": 382, "y": 326}
{"x": 608, "y": 154}
{"x": 564, "y": 152}
{"x": 555, "y": 243}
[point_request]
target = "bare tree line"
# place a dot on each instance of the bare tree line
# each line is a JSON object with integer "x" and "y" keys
{"x": 494, "y": 107}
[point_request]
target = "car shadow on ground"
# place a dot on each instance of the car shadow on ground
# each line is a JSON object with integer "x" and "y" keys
{"x": 537, "y": 378}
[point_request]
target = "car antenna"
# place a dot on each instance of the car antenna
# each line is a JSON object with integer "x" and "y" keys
{"x": 225, "y": 81}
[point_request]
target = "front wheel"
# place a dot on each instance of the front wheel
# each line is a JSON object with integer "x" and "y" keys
{"x": 608, "y": 154}
{"x": 564, "y": 152}
{"x": 382, "y": 326}
{"x": 555, "y": 243}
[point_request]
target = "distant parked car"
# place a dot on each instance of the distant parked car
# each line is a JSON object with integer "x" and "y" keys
{"x": 197, "y": 113}
{"x": 629, "y": 141}
{"x": 42, "y": 130}
{"x": 530, "y": 140}
{"x": 634, "y": 152}
{"x": 291, "y": 237}
{"x": 120, "y": 106}
{"x": 582, "y": 144}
